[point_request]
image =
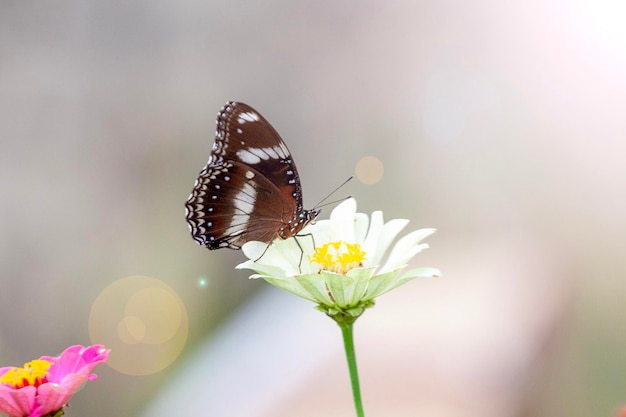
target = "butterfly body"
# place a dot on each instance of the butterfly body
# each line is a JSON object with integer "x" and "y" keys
{"x": 250, "y": 188}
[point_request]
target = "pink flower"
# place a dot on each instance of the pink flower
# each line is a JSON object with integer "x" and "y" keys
{"x": 45, "y": 385}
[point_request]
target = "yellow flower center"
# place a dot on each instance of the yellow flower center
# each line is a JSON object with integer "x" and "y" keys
{"x": 33, "y": 373}
{"x": 339, "y": 256}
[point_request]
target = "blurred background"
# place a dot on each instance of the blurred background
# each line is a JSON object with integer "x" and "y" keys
{"x": 499, "y": 123}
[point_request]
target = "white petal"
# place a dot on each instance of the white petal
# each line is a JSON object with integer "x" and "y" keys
{"x": 315, "y": 285}
{"x": 362, "y": 278}
{"x": 293, "y": 286}
{"x": 423, "y": 272}
{"x": 283, "y": 254}
{"x": 262, "y": 270}
{"x": 345, "y": 208}
{"x": 405, "y": 249}
{"x": 348, "y": 290}
{"x": 379, "y": 284}
{"x": 412, "y": 274}
{"x": 342, "y": 221}
{"x": 371, "y": 239}
{"x": 361, "y": 224}
{"x": 281, "y": 257}
{"x": 253, "y": 250}
{"x": 321, "y": 231}
{"x": 340, "y": 287}
{"x": 379, "y": 244}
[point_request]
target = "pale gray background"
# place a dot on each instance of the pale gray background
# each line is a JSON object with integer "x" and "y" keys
{"x": 500, "y": 123}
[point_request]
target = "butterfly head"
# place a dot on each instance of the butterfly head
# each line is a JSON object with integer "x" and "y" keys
{"x": 309, "y": 216}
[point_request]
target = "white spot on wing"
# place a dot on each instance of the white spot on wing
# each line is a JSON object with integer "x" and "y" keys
{"x": 272, "y": 152}
{"x": 284, "y": 150}
{"x": 244, "y": 204}
{"x": 248, "y": 116}
{"x": 248, "y": 157}
{"x": 255, "y": 155}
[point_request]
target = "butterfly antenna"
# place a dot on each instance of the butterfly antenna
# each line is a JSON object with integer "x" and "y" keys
{"x": 320, "y": 205}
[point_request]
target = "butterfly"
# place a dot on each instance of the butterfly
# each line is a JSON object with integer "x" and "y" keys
{"x": 249, "y": 188}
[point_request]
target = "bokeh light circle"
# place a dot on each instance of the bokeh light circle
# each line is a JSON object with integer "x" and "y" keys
{"x": 144, "y": 323}
{"x": 131, "y": 329}
{"x": 370, "y": 170}
{"x": 202, "y": 282}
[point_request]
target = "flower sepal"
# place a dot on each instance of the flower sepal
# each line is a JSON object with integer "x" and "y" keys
{"x": 56, "y": 414}
{"x": 346, "y": 315}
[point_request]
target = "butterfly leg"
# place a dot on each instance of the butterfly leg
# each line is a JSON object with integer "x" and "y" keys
{"x": 265, "y": 250}
{"x": 301, "y": 249}
{"x": 301, "y": 254}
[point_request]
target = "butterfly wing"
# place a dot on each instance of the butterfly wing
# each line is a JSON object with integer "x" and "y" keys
{"x": 249, "y": 189}
{"x": 244, "y": 135}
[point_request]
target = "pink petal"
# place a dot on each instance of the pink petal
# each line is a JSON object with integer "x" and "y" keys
{"x": 76, "y": 360}
{"x": 36, "y": 411}
{"x": 53, "y": 397}
{"x": 17, "y": 402}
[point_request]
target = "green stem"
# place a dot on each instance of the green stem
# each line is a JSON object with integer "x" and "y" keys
{"x": 348, "y": 342}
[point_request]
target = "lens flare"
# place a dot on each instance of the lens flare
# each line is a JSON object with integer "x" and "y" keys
{"x": 144, "y": 323}
{"x": 370, "y": 170}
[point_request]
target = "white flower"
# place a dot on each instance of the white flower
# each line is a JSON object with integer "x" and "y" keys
{"x": 343, "y": 263}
